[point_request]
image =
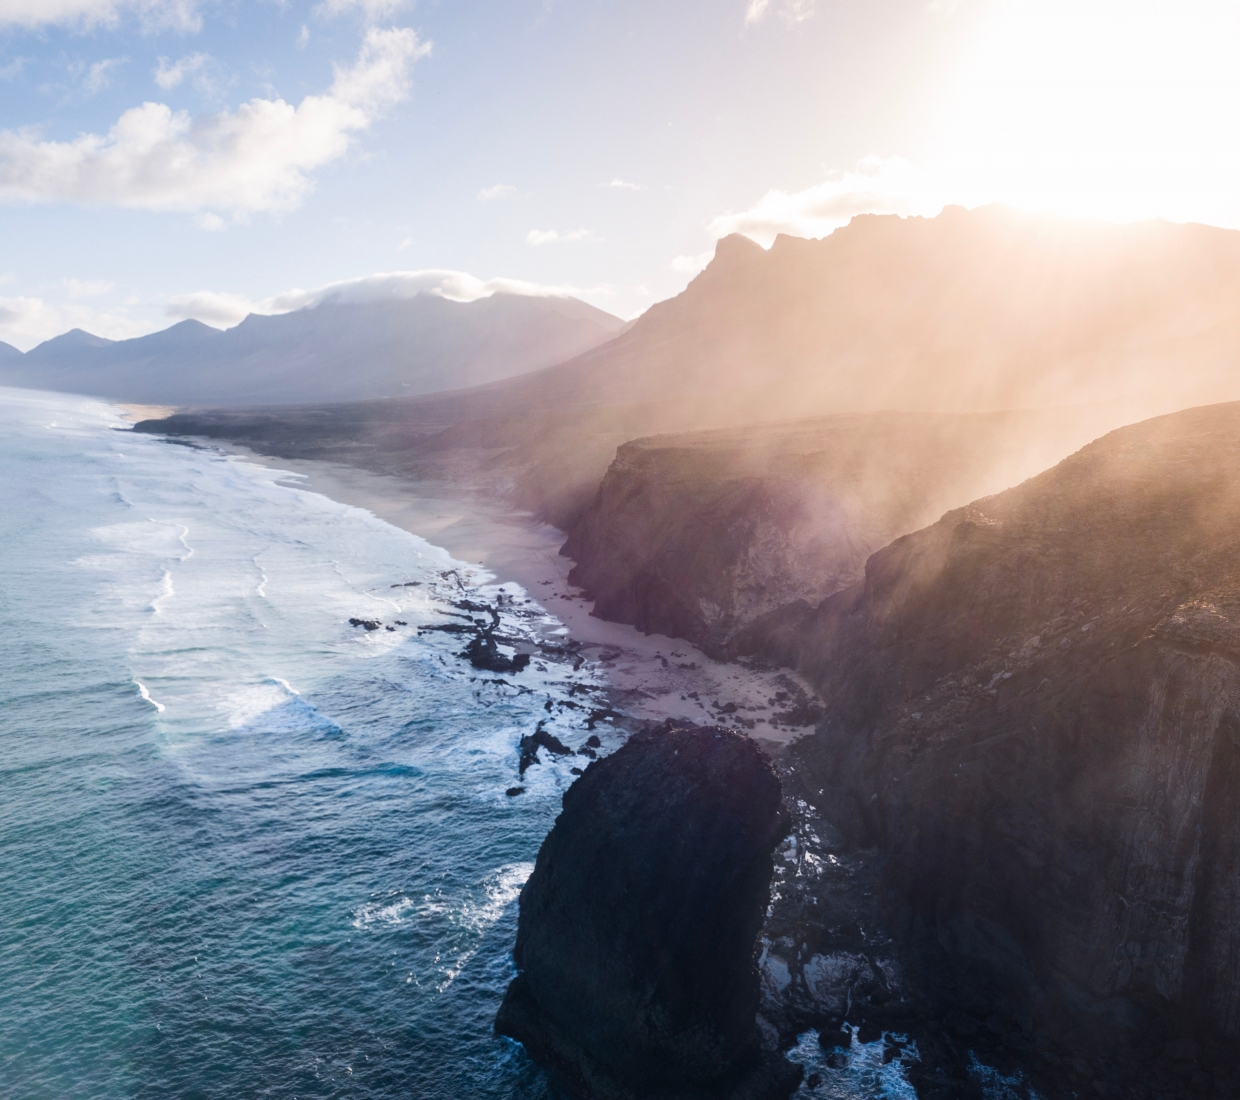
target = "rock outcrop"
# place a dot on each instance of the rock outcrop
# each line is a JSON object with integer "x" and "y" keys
{"x": 698, "y": 534}
{"x": 636, "y": 941}
{"x": 1034, "y": 714}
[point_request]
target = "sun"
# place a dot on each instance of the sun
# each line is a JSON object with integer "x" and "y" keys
{"x": 1120, "y": 109}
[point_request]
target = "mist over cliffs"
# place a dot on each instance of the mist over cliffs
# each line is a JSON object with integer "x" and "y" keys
{"x": 335, "y": 351}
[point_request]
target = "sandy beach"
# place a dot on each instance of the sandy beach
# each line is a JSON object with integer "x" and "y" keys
{"x": 653, "y": 677}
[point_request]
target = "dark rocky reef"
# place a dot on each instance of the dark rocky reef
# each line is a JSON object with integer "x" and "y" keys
{"x": 697, "y": 535}
{"x": 1034, "y": 720}
{"x": 636, "y": 941}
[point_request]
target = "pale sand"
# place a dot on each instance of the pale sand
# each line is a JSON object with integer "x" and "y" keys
{"x": 646, "y": 671}
{"x": 134, "y": 413}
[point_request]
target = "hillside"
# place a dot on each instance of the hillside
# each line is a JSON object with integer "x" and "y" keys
{"x": 335, "y": 351}
{"x": 1032, "y": 712}
{"x": 698, "y": 534}
{"x": 968, "y": 311}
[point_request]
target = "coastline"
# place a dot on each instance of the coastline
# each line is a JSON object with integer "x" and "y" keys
{"x": 653, "y": 677}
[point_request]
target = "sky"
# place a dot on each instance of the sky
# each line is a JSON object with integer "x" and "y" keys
{"x": 164, "y": 159}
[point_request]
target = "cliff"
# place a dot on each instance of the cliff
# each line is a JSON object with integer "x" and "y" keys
{"x": 698, "y": 534}
{"x": 1033, "y": 712}
{"x": 636, "y": 937}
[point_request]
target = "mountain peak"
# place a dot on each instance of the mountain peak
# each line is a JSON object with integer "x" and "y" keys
{"x": 75, "y": 339}
{"x": 736, "y": 248}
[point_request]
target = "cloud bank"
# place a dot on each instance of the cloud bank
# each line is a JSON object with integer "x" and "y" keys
{"x": 255, "y": 159}
{"x": 26, "y": 321}
{"x": 178, "y": 15}
{"x": 876, "y": 186}
{"x": 216, "y": 308}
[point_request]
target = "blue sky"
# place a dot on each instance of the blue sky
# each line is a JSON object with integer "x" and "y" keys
{"x": 171, "y": 158}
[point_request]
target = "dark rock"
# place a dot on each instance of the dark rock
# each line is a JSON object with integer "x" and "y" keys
{"x": 830, "y": 1038}
{"x": 592, "y": 742}
{"x": 576, "y": 771}
{"x": 511, "y": 791}
{"x": 483, "y": 653}
{"x": 540, "y": 738}
{"x": 813, "y": 1080}
{"x": 636, "y": 940}
{"x": 868, "y": 1032}
{"x": 369, "y": 624}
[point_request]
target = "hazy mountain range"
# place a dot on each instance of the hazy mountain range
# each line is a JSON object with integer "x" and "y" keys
{"x": 335, "y": 351}
{"x": 983, "y": 309}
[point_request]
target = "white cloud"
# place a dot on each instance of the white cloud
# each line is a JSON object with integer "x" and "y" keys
{"x": 876, "y": 186}
{"x": 554, "y": 236}
{"x": 496, "y": 191}
{"x": 623, "y": 185}
{"x": 25, "y": 322}
{"x": 303, "y": 36}
{"x": 178, "y": 15}
{"x": 257, "y": 158}
{"x": 89, "y": 288}
{"x": 98, "y": 76}
{"x": 13, "y": 68}
{"x": 169, "y": 76}
{"x": 691, "y": 265}
{"x": 756, "y": 10}
{"x": 371, "y": 10}
{"x": 791, "y": 12}
{"x": 457, "y": 286}
{"x": 212, "y": 307}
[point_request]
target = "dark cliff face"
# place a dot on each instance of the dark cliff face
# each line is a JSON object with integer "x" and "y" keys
{"x": 1034, "y": 709}
{"x": 697, "y": 535}
{"x": 636, "y": 940}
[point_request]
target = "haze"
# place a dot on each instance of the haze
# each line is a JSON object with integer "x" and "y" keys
{"x": 172, "y": 159}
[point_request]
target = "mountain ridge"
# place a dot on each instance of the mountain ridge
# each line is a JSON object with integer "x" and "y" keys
{"x": 331, "y": 351}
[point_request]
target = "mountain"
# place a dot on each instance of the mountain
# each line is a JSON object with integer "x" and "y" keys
{"x": 8, "y": 353}
{"x": 972, "y": 309}
{"x": 979, "y": 310}
{"x": 332, "y": 352}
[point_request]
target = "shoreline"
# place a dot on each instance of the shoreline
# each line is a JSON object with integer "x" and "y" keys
{"x": 652, "y": 676}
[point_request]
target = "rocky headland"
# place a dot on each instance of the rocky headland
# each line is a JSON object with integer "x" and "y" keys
{"x": 1031, "y": 725}
{"x": 636, "y": 941}
{"x": 698, "y": 534}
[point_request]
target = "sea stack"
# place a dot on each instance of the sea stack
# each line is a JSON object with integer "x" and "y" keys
{"x": 636, "y": 939}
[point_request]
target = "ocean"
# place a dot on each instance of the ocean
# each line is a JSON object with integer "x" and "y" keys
{"x": 249, "y": 848}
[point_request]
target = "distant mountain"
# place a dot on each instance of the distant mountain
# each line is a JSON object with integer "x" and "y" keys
{"x": 332, "y": 352}
{"x": 9, "y": 353}
{"x": 971, "y": 310}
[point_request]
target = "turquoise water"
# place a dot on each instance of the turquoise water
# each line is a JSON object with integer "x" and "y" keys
{"x": 248, "y": 849}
